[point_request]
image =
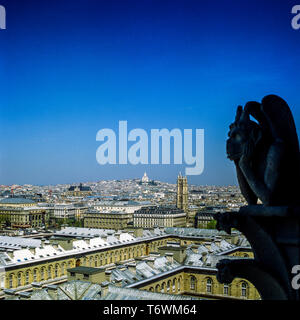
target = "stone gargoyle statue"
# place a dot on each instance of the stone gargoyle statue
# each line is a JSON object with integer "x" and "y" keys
{"x": 266, "y": 152}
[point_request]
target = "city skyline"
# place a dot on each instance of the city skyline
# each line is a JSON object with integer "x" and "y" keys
{"x": 70, "y": 69}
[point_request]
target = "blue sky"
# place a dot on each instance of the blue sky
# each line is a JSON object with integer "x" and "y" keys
{"x": 71, "y": 68}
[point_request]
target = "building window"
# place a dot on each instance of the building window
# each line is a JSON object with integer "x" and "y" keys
{"x": 193, "y": 283}
{"x": 209, "y": 285}
{"x": 19, "y": 279}
{"x": 10, "y": 281}
{"x": 56, "y": 271}
{"x": 34, "y": 275}
{"x": 226, "y": 290}
{"x": 27, "y": 278}
{"x": 244, "y": 289}
{"x": 49, "y": 273}
{"x": 168, "y": 285}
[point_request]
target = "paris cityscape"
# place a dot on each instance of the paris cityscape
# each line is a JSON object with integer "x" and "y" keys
{"x": 120, "y": 238}
{"x": 149, "y": 152}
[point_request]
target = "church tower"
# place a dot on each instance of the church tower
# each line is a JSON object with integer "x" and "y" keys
{"x": 182, "y": 193}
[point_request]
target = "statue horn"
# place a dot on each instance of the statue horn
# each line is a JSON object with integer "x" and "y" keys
{"x": 245, "y": 116}
{"x": 239, "y": 112}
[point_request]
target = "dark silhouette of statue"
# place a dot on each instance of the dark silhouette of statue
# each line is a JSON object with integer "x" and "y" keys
{"x": 266, "y": 152}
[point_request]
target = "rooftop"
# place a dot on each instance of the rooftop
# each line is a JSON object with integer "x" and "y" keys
{"x": 13, "y": 200}
{"x": 85, "y": 270}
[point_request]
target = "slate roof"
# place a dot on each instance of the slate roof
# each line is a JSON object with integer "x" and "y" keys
{"x": 85, "y": 270}
{"x": 13, "y": 200}
{"x": 116, "y": 293}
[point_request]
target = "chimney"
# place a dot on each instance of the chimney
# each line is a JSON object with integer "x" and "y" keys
{"x": 9, "y": 292}
{"x": 118, "y": 282}
{"x": 218, "y": 241}
{"x": 52, "y": 291}
{"x": 132, "y": 268}
{"x": 36, "y": 286}
{"x": 24, "y": 295}
{"x": 169, "y": 256}
{"x": 55, "y": 245}
{"x": 104, "y": 289}
{"x": 150, "y": 262}
{"x": 117, "y": 235}
{"x": 108, "y": 275}
{"x": 10, "y": 253}
{"x": 43, "y": 242}
{"x": 32, "y": 250}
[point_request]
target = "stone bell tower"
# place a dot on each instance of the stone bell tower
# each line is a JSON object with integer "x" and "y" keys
{"x": 182, "y": 193}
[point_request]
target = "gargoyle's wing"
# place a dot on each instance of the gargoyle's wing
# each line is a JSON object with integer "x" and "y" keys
{"x": 280, "y": 121}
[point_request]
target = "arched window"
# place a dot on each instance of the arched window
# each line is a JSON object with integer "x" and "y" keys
{"x": 49, "y": 273}
{"x": 226, "y": 290}
{"x": 193, "y": 283}
{"x": 63, "y": 269}
{"x": 42, "y": 274}
{"x": 174, "y": 285}
{"x": 27, "y": 278}
{"x": 179, "y": 284}
{"x": 209, "y": 285}
{"x": 35, "y": 275}
{"x": 10, "y": 281}
{"x": 168, "y": 285}
{"x": 56, "y": 271}
{"x": 19, "y": 279}
{"x": 244, "y": 289}
{"x": 163, "y": 287}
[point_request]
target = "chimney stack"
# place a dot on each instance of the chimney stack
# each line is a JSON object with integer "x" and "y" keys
{"x": 132, "y": 268}
{"x": 32, "y": 250}
{"x": 104, "y": 289}
{"x": 204, "y": 256}
{"x": 52, "y": 290}
{"x": 24, "y": 295}
{"x": 169, "y": 256}
{"x": 150, "y": 262}
{"x": 108, "y": 275}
